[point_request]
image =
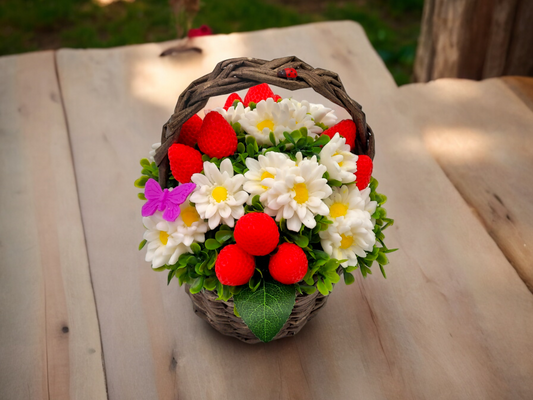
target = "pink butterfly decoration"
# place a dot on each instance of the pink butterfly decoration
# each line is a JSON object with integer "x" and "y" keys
{"x": 170, "y": 201}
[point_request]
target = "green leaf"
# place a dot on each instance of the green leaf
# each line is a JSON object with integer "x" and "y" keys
{"x": 197, "y": 285}
{"x": 300, "y": 240}
{"x": 322, "y": 140}
{"x": 241, "y": 148}
{"x": 348, "y": 278}
{"x": 212, "y": 244}
{"x": 334, "y": 182}
{"x": 272, "y": 138}
{"x": 145, "y": 163}
{"x": 322, "y": 288}
{"x": 141, "y": 196}
{"x": 382, "y": 259}
{"x": 250, "y": 149}
{"x": 141, "y": 182}
{"x": 266, "y": 310}
{"x": 210, "y": 283}
{"x": 222, "y": 236}
{"x": 141, "y": 245}
{"x": 289, "y": 137}
{"x": 196, "y": 249}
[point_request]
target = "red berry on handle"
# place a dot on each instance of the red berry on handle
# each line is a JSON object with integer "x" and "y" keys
{"x": 289, "y": 264}
{"x": 363, "y": 172}
{"x": 288, "y": 73}
{"x": 234, "y": 266}
{"x": 184, "y": 162}
{"x": 256, "y": 233}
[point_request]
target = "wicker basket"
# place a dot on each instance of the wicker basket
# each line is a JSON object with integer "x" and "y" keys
{"x": 228, "y": 77}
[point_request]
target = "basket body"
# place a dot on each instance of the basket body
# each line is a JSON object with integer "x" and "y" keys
{"x": 219, "y": 314}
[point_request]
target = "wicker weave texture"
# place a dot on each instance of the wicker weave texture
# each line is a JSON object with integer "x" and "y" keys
{"x": 236, "y": 74}
{"x": 230, "y": 76}
{"x": 219, "y": 314}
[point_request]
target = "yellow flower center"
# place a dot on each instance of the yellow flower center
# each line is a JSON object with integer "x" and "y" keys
{"x": 301, "y": 193}
{"x": 265, "y": 175}
{"x": 346, "y": 241}
{"x": 267, "y": 123}
{"x": 189, "y": 216}
{"x": 163, "y": 237}
{"x": 219, "y": 193}
{"x": 337, "y": 154}
{"x": 338, "y": 210}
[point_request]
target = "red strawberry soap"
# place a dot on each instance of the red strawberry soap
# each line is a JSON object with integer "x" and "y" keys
{"x": 256, "y": 233}
{"x": 234, "y": 266}
{"x": 217, "y": 138}
{"x": 184, "y": 162}
{"x": 289, "y": 264}
{"x": 257, "y": 93}
{"x": 231, "y": 99}
{"x": 346, "y": 128}
{"x": 190, "y": 130}
{"x": 363, "y": 172}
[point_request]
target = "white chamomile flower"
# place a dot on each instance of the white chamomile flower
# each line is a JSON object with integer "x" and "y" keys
{"x": 233, "y": 114}
{"x": 218, "y": 196}
{"x": 318, "y": 113}
{"x": 346, "y": 199}
{"x": 265, "y": 167}
{"x": 297, "y": 194}
{"x": 189, "y": 226}
{"x": 151, "y": 154}
{"x": 339, "y": 160}
{"x": 162, "y": 247}
{"x": 352, "y": 237}
{"x": 270, "y": 116}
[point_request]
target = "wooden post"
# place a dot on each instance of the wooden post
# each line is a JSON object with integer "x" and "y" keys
{"x": 475, "y": 39}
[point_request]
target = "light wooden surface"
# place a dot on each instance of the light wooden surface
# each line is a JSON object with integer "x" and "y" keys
{"x": 481, "y": 134}
{"x": 49, "y": 337}
{"x": 452, "y": 321}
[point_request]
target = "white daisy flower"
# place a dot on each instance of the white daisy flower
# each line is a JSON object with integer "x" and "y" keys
{"x": 151, "y": 154}
{"x": 218, "y": 195}
{"x": 270, "y": 116}
{"x": 265, "y": 167}
{"x": 352, "y": 237}
{"x": 346, "y": 199}
{"x": 233, "y": 114}
{"x": 318, "y": 113}
{"x": 297, "y": 194}
{"x": 189, "y": 226}
{"x": 340, "y": 162}
{"x": 162, "y": 247}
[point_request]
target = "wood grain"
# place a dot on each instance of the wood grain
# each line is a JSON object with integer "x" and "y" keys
{"x": 453, "y": 320}
{"x": 49, "y": 336}
{"x": 481, "y": 134}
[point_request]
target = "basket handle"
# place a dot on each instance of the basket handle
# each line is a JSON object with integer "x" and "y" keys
{"x": 236, "y": 74}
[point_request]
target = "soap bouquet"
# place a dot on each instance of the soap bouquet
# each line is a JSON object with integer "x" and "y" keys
{"x": 266, "y": 204}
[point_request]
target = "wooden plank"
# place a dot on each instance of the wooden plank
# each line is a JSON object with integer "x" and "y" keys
{"x": 481, "y": 135}
{"x": 439, "y": 327}
{"x": 522, "y": 86}
{"x": 49, "y": 336}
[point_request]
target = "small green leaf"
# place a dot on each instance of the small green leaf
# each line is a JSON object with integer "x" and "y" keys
{"x": 334, "y": 182}
{"x": 141, "y": 182}
{"x": 272, "y": 138}
{"x": 241, "y": 148}
{"x": 252, "y": 105}
{"x": 197, "y": 285}
{"x": 145, "y": 163}
{"x": 210, "y": 283}
{"x": 382, "y": 259}
{"x": 196, "y": 249}
{"x": 322, "y": 287}
{"x": 142, "y": 244}
{"x": 266, "y": 310}
{"x": 141, "y": 196}
{"x": 303, "y": 131}
{"x": 250, "y": 149}
{"x": 223, "y": 236}
{"x": 289, "y": 137}
{"x": 322, "y": 140}
{"x": 300, "y": 240}
{"x": 212, "y": 244}
{"x": 348, "y": 278}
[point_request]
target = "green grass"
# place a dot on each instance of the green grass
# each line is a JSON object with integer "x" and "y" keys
{"x": 28, "y": 25}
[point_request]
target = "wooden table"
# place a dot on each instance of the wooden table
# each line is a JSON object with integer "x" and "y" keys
{"x": 84, "y": 317}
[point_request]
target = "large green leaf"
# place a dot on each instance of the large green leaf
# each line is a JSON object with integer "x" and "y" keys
{"x": 266, "y": 310}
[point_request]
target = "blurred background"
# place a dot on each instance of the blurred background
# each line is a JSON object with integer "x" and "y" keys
{"x": 393, "y": 26}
